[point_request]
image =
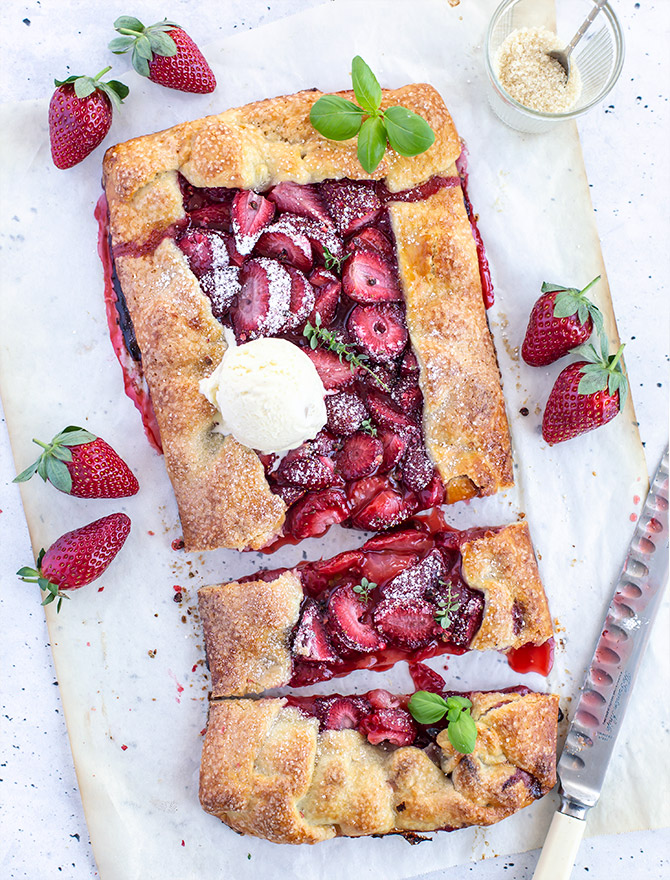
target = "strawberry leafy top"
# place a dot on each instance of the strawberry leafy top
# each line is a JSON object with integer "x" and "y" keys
{"x": 339, "y": 119}
{"x": 570, "y": 301}
{"x": 145, "y": 42}
{"x": 35, "y": 576}
{"x": 51, "y": 463}
{"x": 602, "y": 371}
{"x": 84, "y": 86}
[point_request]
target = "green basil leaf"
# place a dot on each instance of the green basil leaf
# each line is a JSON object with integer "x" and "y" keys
{"x": 426, "y": 708}
{"x": 409, "y": 134}
{"x": 463, "y": 734}
{"x": 371, "y": 143}
{"x": 336, "y": 118}
{"x": 366, "y": 87}
{"x": 453, "y": 713}
{"x": 460, "y": 702}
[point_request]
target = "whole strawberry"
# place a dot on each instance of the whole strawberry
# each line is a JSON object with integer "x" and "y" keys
{"x": 561, "y": 319}
{"x": 165, "y": 53}
{"x": 586, "y": 395}
{"x": 81, "y": 464}
{"x": 80, "y": 114}
{"x": 77, "y": 557}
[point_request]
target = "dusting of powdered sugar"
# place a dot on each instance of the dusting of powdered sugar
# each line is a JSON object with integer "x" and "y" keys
{"x": 222, "y": 286}
{"x": 279, "y": 302}
{"x": 220, "y": 257}
{"x": 414, "y": 581}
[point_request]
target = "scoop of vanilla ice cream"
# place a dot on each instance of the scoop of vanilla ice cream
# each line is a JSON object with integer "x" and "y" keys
{"x": 268, "y": 393}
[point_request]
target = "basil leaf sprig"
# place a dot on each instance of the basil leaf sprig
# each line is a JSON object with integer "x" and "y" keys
{"x": 339, "y": 119}
{"x": 428, "y": 708}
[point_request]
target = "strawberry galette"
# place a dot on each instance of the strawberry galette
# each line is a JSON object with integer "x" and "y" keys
{"x": 306, "y": 769}
{"x": 407, "y": 595}
{"x": 235, "y": 228}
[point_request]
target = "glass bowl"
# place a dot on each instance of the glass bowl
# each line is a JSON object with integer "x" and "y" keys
{"x": 598, "y": 56}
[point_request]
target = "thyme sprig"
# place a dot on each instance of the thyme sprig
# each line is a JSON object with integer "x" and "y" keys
{"x": 446, "y": 607}
{"x": 318, "y": 335}
{"x": 364, "y": 589}
{"x": 333, "y": 262}
{"x": 369, "y": 427}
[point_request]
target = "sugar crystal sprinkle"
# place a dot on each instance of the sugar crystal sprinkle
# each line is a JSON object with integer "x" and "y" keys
{"x": 531, "y": 77}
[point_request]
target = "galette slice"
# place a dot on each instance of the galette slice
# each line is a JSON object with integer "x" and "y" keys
{"x": 408, "y": 595}
{"x": 234, "y": 230}
{"x": 306, "y": 769}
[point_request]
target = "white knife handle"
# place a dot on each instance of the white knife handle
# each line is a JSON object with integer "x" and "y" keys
{"x": 560, "y": 848}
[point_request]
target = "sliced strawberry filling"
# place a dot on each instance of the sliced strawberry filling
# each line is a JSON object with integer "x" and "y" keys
{"x": 400, "y": 596}
{"x": 382, "y": 717}
{"x": 324, "y": 253}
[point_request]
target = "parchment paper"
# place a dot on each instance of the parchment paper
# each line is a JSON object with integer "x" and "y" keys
{"x": 129, "y": 658}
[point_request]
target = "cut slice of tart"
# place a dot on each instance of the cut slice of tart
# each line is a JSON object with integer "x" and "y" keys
{"x": 250, "y": 225}
{"x": 306, "y": 769}
{"x": 406, "y": 595}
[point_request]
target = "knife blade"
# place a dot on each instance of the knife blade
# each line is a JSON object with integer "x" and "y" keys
{"x": 609, "y": 681}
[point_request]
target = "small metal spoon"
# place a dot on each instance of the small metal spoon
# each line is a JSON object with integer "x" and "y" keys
{"x": 563, "y": 56}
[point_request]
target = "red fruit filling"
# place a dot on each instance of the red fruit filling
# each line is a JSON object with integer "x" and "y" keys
{"x": 369, "y": 278}
{"x": 269, "y": 262}
{"x": 383, "y": 717}
{"x": 369, "y": 608}
{"x": 344, "y": 617}
{"x": 380, "y": 331}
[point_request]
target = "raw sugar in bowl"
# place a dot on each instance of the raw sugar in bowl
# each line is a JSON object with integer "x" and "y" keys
{"x": 526, "y": 89}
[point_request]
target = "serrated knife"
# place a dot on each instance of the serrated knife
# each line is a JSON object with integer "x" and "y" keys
{"x": 609, "y": 681}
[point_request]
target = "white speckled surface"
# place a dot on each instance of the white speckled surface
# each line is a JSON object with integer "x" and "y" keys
{"x": 625, "y": 151}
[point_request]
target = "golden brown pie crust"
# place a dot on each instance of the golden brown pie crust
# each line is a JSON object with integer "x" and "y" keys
{"x": 222, "y": 495}
{"x": 247, "y": 626}
{"x": 266, "y": 770}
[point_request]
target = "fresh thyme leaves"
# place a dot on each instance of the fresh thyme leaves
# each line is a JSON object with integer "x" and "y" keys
{"x": 428, "y": 708}
{"x": 446, "y": 607}
{"x": 318, "y": 335}
{"x": 333, "y": 262}
{"x": 364, "y": 589}
{"x": 369, "y": 428}
{"x": 339, "y": 120}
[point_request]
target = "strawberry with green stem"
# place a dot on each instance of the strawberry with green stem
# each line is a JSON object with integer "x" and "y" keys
{"x": 165, "y": 54}
{"x": 586, "y": 395}
{"x": 561, "y": 319}
{"x": 79, "y": 463}
{"x": 78, "y": 557}
{"x": 80, "y": 115}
